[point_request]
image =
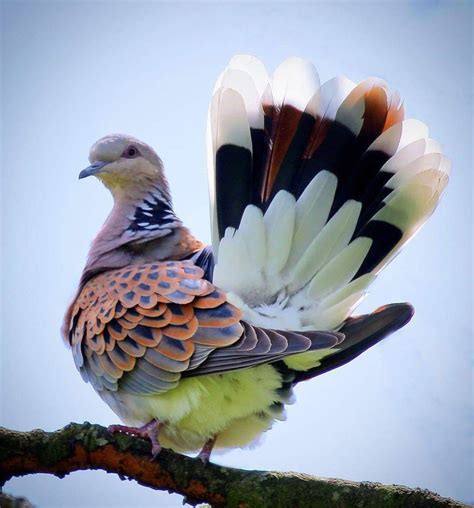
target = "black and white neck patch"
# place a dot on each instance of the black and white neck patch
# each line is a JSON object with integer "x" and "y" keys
{"x": 153, "y": 215}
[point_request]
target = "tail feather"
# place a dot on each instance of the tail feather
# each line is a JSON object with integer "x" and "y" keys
{"x": 328, "y": 98}
{"x": 313, "y": 190}
{"x": 293, "y": 85}
{"x": 233, "y": 175}
{"x": 334, "y": 236}
{"x": 312, "y": 212}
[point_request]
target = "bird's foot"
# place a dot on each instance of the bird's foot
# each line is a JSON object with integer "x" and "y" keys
{"x": 148, "y": 431}
{"x": 205, "y": 453}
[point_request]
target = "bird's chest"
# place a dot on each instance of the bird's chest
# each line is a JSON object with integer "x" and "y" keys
{"x": 236, "y": 406}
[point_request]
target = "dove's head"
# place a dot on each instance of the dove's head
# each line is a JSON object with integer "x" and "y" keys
{"x": 142, "y": 217}
{"x": 125, "y": 164}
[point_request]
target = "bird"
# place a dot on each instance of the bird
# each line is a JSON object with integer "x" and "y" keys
{"x": 314, "y": 189}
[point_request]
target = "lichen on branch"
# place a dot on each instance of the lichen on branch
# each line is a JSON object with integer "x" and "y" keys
{"x": 86, "y": 446}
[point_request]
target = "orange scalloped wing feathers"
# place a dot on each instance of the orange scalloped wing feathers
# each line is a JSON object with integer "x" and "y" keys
{"x": 139, "y": 327}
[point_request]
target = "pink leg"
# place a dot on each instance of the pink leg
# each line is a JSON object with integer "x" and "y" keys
{"x": 205, "y": 453}
{"x": 147, "y": 431}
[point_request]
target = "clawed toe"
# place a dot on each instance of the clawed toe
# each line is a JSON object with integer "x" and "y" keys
{"x": 148, "y": 431}
{"x": 155, "y": 445}
{"x": 204, "y": 457}
{"x": 120, "y": 428}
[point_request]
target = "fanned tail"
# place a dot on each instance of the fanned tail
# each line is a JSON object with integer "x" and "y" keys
{"x": 314, "y": 189}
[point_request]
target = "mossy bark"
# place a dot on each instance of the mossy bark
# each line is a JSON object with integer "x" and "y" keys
{"x": 86, "y": 446}
{"x": 7, "y": 501}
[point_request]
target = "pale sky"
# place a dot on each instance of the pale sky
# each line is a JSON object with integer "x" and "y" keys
{"x": 75, "y": 71}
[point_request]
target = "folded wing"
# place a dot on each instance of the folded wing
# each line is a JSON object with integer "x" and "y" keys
{"x": 143, "y": 327}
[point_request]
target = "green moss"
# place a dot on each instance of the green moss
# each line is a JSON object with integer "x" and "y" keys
{"x": 56, "y": 450}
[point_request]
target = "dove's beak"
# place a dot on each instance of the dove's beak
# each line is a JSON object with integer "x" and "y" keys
{"x": 93, "y": 169}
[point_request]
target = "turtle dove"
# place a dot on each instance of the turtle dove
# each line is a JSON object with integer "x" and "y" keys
{"x": 313, "y": 190}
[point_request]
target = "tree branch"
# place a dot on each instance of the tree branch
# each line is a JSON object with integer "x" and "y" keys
{"x": 7, "y": 501}
{"x": 85, "y": 446}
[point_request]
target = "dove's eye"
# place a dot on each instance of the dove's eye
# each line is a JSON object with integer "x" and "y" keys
{"x": 131, "y": 152}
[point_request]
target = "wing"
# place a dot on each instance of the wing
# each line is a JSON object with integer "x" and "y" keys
{"x": 141, "y": 328}
{"x": 360, "y": 333}
{"x": 313, "y": 190}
